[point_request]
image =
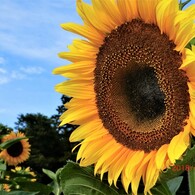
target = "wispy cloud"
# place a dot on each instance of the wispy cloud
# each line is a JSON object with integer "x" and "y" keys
{"x": 32, "y": 30}
{"x": 32, "y": 70}
{"x": 3, "y": 70}
{"x": 17, "y": 75}
{"x": 20, "y": 74}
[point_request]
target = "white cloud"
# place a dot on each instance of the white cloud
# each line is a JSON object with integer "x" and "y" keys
{"x": 4, "y": 80}
{"x": 6, "y": 77}
{"x": 20, "y": 74}
{"x": 33, "y": 31}
{"x": 17, "y": 75}
{"x": 3, "y": 71}
{"x": 32, "y": 70}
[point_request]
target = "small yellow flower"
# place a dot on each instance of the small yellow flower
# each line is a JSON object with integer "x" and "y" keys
{"x": 16, "y": 169}
{"x": 27, "y": 170}
{"x": 7, "y": 177}
{"x": 33, "y": 180}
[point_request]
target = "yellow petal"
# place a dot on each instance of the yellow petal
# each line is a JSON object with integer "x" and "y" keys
{"x": 188, "y": 58}
{"x": 160, "y": 156}
{"x": 86, "y": 130}
{"x": 83, "y": 46}
{"x": 81, "y": 66}
{"x": 147, "y": 10}
{"x": 77, "y": 56}
{"x": 89, "y": 16}
{"x": 184, "y": 35}
{"x": 152, "y": 174}
{"x": 108, "y": 13}
{"x": 75, "y": 88}
{"x": 91, "y": 156}
{"x": 178, "y": 145}
{"x": 128, "y": 9}
{"x": 189, "y": 65}
{"x": 85, "y": 31}
{"x": 191, "y": 11}
{"x": 192, "y": 108}
{"x": 140, "y": 171}
{"x": 133, "y": 161}
{"x": 76, "y": 114}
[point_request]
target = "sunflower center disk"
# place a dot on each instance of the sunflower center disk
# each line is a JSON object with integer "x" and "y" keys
{"x": 142, "y": 97}
{"x": 15, "y": 150}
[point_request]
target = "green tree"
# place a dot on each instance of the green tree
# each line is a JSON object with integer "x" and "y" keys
{"x": 4, "y": 129}
{"x": 50, "y": 146}
{"x": 47, "y": 147}
{"x": 64, "y": 131}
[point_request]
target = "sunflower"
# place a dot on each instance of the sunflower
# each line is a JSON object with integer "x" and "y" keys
{"x": 18, "y": 152}
{"x": 132, "y": 80}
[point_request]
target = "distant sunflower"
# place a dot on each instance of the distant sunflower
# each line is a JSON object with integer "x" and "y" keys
{"x": 133, "y": 86}
{"x": 18, "y": 152}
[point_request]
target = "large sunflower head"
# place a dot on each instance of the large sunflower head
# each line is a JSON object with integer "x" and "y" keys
{"x": 132, "y": 80}
{"x": 18, "y": 152}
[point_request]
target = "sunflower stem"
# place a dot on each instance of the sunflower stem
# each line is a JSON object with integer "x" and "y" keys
{"x": 191, "y": 181}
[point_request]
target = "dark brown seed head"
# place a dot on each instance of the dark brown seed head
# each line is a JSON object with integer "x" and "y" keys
{"x": 142, "y": 97}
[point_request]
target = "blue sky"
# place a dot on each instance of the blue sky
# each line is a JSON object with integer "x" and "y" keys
{"x": 30, "y": 38}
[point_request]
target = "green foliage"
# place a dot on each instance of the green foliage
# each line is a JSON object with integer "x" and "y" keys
{"x": 4, "y": 129}
{"x": 169, "y": 188}
{"x": 77, "y": 180}
{"x": 18, "y": 193}
{"x": 39, "y": 188}
{"x": 73, "y": 179}
{"x": 55, "y": 184}
{"x": 183, "y": 4}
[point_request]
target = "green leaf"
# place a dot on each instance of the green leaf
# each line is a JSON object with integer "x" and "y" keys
{"x": 77, "y": 180}
{"x": 9, "y": 143}
{"x": 39, "y": 188}
{"x": 191, "y": 181}
{"x": 180, "y": 166}
{"x": 55, "y": 183}
{"x": 169, "y": 188}
{"x": 2, "y": 166}
{"x": 50, "y": 174}
{"x": 174, "y": 184}
{"x": 192, "y": 42}
{"x": 182, "y": 4}
{"x": 161, "y": 190}
{"x": 18, "y": 193}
